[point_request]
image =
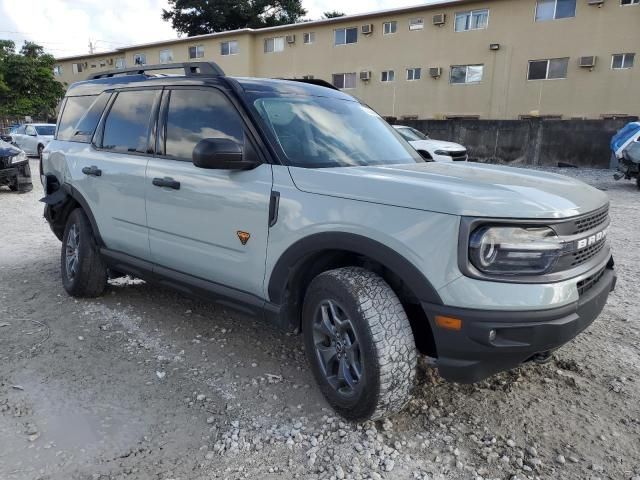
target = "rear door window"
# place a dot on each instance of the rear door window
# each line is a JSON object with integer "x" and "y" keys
{"x": 126, "y": 128}
{"x": 73, "y": 110}
{"x": 197, "y": 114}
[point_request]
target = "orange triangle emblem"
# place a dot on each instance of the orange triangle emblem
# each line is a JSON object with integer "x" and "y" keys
{"x": 243, "y": 236}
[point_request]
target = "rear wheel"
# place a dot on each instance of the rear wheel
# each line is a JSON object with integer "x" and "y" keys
{"x": 359, "y": 343}
{"x": 83, "y": 271}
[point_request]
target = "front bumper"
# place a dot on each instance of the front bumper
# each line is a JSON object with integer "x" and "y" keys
{"x": 469, "y": 355}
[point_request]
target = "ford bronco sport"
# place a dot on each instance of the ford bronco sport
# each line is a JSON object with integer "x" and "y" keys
{"x": 296, "y": 202}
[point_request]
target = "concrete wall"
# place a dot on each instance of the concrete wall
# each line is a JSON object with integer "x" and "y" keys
{"x": 582, "y": 143}
{"x": 503, "y": 93}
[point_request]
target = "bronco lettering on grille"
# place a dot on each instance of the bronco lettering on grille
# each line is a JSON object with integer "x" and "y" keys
{"x": 591, "y": 240}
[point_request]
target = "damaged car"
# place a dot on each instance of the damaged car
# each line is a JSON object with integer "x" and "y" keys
{"x": 14, "y": 168}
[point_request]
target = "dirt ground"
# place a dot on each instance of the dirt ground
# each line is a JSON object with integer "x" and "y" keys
{"x": 143, "y": 383}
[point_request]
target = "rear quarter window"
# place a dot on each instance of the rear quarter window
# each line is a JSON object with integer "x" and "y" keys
{"x": 74, "y": 109}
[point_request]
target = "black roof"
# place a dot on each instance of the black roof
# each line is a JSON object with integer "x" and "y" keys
{"x": 199, "y": 73}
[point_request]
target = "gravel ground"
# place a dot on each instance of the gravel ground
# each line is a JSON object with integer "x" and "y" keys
{"x": 143, "y": 383}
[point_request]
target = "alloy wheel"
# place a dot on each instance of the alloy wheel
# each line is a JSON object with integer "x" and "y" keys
{"x": 337, "y": 348}
{"x": 72, "y": 251}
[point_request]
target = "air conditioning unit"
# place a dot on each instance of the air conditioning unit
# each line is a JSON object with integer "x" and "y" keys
{"x": 110, "y": 61}
{"x": 291, "y": 39}
{"x": 367, "y": 29}
{"x": 598, "y": 3}
{"x": 440, "y": 19}
{"x": 435, "y": 72}
{"x": 587, "y": 62}
{"x": 365, "y": 75}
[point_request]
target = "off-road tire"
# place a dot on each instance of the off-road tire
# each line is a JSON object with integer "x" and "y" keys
{"x": 90, "y": 278}
{"x": 388, "y": 351}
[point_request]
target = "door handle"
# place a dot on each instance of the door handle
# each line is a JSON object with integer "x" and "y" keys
{"x": 93, "y": 171}
{"x": 166, "y": 182}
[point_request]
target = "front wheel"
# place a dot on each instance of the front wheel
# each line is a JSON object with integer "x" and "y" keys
{"x": 359, "y": 343}
{"x": 83, "y": 271}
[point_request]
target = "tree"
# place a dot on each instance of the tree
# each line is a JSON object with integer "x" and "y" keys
{"x": 198, "y": 17}
{"x": 333, "y": 14}
{"x": 27, "y": 85}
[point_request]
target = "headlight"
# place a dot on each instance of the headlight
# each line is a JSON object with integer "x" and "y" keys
{"x": 514, "y": 250}
{"x": 21, "y": 157}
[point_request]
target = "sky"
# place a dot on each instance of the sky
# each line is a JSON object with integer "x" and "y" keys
{"x": 65, "y": 27}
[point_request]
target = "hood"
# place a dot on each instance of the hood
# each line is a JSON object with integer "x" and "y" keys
{"x": 8, "y": 150}
{"x": 437, "y": 145}
{"x": 458, "y": 189}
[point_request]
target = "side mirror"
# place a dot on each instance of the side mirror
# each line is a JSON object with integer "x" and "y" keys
{"x": 220, "y": 154}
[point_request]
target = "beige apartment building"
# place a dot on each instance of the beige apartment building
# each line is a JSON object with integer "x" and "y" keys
{"x": 498, "y": 59}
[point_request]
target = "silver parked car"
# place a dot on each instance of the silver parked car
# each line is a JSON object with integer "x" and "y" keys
{"x": 296, "y": 203}
{"x": 33, "y": 137}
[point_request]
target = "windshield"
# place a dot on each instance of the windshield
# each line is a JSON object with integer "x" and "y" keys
{"x": 45, "y": 129}
{"x": 317, "y": 132}
{"x": 411, "y": 134}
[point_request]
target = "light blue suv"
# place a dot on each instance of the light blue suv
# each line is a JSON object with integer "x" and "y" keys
{"x": 295, "y": 202}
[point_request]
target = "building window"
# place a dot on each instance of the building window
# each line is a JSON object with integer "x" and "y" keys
{"x": 550, "y": 69}
{"x": 229, "y": 48}
{"x": 57, "y": 70}
{"x": 309, "y": 38}
{"x": 629, "y": 2}
{"x": 166, "y": 56}
{"x": 272, "y": 45}
{"x": 103, "y": 63}
{"x": 555, "y": 9}
{"x": 414, "y": 73}
{"x": 139, "y": 59}
{"x": 344, "y": 80}
{"x": 343, "y": 36}
{"x": 388, "y": 76}
{"x": 621, "y": 61}
{"x": 389, "y": 27}
{"x": 472, "y": 20}
{"x": 461, "y": 74}
{"x": 416, "y": 24}
{"x": 197, "y": 51}
{"x": 77, "y": 68}
{"x": 120, "y": 63}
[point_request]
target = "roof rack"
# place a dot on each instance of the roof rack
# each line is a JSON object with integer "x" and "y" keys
{"x": 191, "y": 69}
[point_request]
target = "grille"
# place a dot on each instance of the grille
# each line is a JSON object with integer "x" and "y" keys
{"x": 589, "y": 282}
{"x": 584, "y": 255}
{"x": 591, "y": 221}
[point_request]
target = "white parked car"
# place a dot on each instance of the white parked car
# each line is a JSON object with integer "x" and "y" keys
{"x": 436, "y": 150}
{"x": 33, "y": 137}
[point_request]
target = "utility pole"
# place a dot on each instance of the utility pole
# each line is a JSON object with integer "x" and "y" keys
{"x": 92, "y": 47}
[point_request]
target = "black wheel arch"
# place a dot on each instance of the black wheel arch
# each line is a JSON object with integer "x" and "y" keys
{"x": 60, "y": 203}
{"x": 312, "y": 255}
